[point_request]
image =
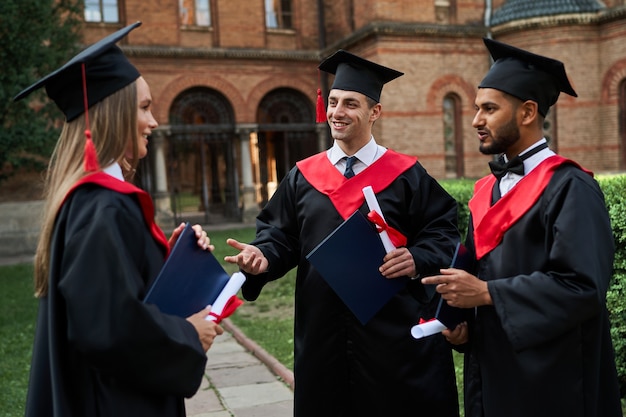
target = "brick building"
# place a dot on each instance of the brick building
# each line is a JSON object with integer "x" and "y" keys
{"x": 234, "y": 83}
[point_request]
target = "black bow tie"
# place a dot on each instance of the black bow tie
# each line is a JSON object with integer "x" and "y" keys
{"x": 499, "y": 168}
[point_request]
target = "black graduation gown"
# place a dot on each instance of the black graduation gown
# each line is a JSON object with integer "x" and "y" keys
{"x": 343, "y": 368}
{"x": 544, "y": 349}
{"x": 99, "y": 351}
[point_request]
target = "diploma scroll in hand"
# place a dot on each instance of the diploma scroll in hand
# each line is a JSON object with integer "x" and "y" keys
{"x": 390, "y": 237}
{"x": 427, "y": 328}
{"x": 227, "y": 302}
{"x": 446, "y": 316}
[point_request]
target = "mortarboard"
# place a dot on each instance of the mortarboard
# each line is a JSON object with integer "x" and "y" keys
{"x": 525, "y": 75}
{"x": 94, "y": 74}
{"x": 353, "y": 73}
{"x": 106, "y": 69}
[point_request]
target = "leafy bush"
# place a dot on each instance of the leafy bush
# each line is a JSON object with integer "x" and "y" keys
{"x": 614, "y": 188}
{"x": 461, "y": 190}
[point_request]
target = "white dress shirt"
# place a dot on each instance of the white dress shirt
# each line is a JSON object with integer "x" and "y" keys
{"x": 366, "y": 156}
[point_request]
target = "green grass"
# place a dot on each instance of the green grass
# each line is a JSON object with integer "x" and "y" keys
{"x": 18, "y": 309}
{"x": 188, "y": 201}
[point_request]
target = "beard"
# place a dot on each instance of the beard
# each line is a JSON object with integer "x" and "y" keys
{"x": 504, "y": 137}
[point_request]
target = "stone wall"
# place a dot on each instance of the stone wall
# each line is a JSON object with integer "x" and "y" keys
{"x": 19, "y": 228}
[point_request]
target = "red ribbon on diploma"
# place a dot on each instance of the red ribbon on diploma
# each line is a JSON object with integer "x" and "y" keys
{"x": 397, "y": 238}
{"x": 422, "y": 321}
{"x": 229, "y": 308}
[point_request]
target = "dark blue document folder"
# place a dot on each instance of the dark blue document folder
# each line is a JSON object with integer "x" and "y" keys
{"x": 348, "y": 259}
{"x": 451, "y": 316}
{"x": 191, "y": 278}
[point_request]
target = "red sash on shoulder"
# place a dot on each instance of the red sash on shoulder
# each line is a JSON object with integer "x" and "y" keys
{"x": 347, "y": 194}
{"x": 491, "y": 222}
{"x": 107, "y": 181}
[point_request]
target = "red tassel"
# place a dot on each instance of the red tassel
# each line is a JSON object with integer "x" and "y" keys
{"x": 91, "y": 158}
{"x": 320, "y": 116}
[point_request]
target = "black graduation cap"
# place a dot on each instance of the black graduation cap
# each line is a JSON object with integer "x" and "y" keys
{"x": 353, "y": 73}
{"x": 106, "y": 68}
{"x": 525, "y": 75}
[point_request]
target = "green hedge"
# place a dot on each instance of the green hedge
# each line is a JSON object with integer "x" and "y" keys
{"x": 614, "y": 188}
{"x": 614, "y": 192}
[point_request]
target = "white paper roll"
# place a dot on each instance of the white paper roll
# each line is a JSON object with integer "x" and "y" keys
{"x": 373, "y": 205}
{"x": 427, "y": 329}
{"x": 232, "y": 287}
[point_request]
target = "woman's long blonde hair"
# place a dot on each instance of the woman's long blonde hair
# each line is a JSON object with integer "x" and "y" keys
{"x": 113, "y": 123}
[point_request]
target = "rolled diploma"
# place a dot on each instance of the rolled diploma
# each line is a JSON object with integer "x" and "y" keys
{"x": 231, "y": 288}
{"x": 427, "y": 329}
{"x": 372, "y": 203}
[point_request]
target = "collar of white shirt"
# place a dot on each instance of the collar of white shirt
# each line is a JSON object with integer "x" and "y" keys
{"x": 367, "y": 155}
{"x": 114, "y": 170}
{"x": 510, "y": 179}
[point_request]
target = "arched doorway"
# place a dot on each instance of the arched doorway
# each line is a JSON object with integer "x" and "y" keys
{"x": 286, "y": 134}
{"x": 202, "y": 171}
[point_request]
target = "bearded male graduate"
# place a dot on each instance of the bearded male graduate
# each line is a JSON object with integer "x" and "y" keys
{"x": 344, "y": 368}
{"x": 540, "y": 344}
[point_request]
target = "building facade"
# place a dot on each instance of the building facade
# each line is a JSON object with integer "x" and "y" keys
{"x": 234, "y": 84}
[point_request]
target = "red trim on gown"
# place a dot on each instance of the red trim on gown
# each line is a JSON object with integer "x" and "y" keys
{"x": 145, "y": 201}
{"x": 346, "y": 194}
{"x": 491, "y": 222}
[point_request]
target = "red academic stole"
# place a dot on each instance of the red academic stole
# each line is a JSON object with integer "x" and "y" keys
{"x": 107, "y": 181}
{"x": 347, "y": 194}
{"x": 491, "y": 222}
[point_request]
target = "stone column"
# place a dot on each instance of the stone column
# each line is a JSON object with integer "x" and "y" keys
{"x": 248, "y": 190}
{"x": 162, "y": 200}
{"x": 322, "y": 136}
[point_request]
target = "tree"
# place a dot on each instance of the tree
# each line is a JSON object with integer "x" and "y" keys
{"x": 36, "y": 37}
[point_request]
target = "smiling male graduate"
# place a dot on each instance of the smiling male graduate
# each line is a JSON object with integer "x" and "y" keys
{"x": 344, "y": 367}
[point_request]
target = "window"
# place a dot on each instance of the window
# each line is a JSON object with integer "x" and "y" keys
{"x": 445, "y": 11}
{"x": 452, "y": 136}
{"x": 278, "y": 14}
{"x": 105, "y": 11}
{"x": 195, "y": 13}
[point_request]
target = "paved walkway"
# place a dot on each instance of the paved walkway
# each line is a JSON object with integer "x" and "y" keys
{"x": 242, "y": 380}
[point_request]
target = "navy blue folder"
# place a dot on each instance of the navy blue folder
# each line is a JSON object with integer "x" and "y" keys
{"x": 190, "y": 279}
{"x": 446, "y": 314}
{"x": 348, "y": 259}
